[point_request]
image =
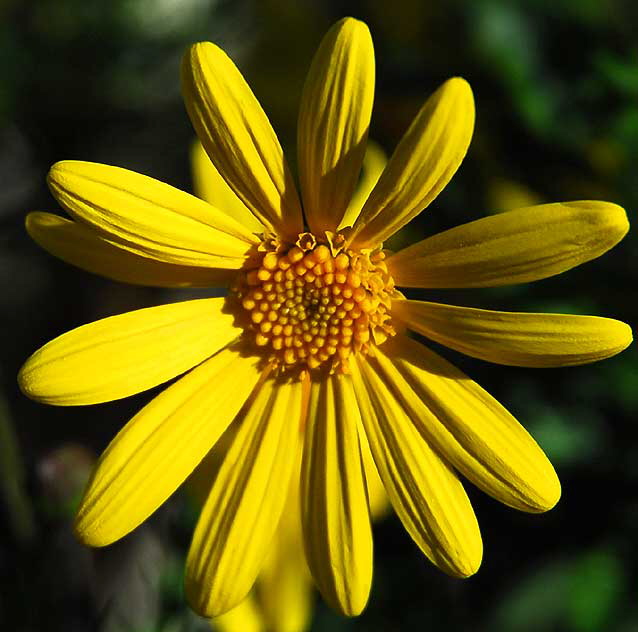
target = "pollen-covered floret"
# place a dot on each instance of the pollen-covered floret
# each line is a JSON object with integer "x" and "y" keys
{"x": 314, "y": 303}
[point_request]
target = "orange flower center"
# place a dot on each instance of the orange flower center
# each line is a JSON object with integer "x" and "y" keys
{"x": 312, "y": 304}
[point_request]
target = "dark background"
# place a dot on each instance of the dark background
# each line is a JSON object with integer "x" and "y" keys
{"x": 556, "y": 88}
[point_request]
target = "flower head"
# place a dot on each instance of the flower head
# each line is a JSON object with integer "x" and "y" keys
{"x": 309, "y": 351}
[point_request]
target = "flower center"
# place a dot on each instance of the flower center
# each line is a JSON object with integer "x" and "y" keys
{"x": 314, "y": 302}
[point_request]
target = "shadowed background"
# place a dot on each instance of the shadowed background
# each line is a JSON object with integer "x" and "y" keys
{"x": 556, "y": 88}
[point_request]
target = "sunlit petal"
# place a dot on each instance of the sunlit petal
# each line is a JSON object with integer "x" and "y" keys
{"x": 374, "y": 162}
{"x": 238, "y": 137}
{"x": 126, "y": 354}
{"x": 468, "y": 427}
{"x": 514, "y": 247}
{"x": 284, "y": 585}
{"x": 424, "y": 491}
{"x": 246, "y": 617}
{"x": 211, "y": 187}
{"x": 515, "y": 338}
{"x": 245, "y": 503}
{"x": 335, "y": 514}
{"x": 148, "y": 217}
{"x": 334, "y": 117}
{"x": 80, "y": 246}
{"x": 425, "y": 160}
{"x": 155, "y": 452}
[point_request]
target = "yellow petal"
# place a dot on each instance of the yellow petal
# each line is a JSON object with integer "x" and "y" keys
{"x": 238, "y": 138}
{"x": 284, "y": 585}
{"x": 374, "y": 162}
{"x": 121, "y": 355}
{"x": 211, "y": 187}
{"x": 514, "y": 338}
{"x": 243, "y": 508}
{"x": 425, "y": 493}
{"x": 242, "y": 618}
{"x": 155, "y": 452}
{"x": 523, "y": 245}
{"x": 80, "y": 246}
{"x": 148, "y": 217}
{"x": 468, "y": 427}
{"x": 425, "y": 160}
{"x": 377, "y": 498}
{"x": 334, "y": 118}
{"x": 335, "y": 515}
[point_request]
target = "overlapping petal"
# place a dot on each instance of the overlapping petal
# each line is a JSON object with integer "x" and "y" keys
{"x": 245, "y": 503}
{"x": 334, "y": 118}
{"x": 285, "y": 586}
{"x": 377, "y": 497}
{"x": 425, "y": 160}
{"x": 335, "y": 514}
{"x": 468, "y": 427}
{"x": 211, "y": 187}
{"x": 125, "y": 354}
{"x": 245, "y": 617}
{"x": 75, "y": 243}
{"x": 148, "y": 217}
{"x": 238, "y": 138}
{"x": 155, "y": 452}
{"x": 514, "y": 247}
{"x": 424, "y": 491}
{"x": 374, "y": 162}
{"x": 515, "y": 338}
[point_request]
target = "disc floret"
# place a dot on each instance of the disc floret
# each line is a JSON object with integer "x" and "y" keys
{"x": 312, "y": 303}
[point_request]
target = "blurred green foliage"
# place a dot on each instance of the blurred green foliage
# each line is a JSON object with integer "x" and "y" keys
{"x": 556, "y": 86}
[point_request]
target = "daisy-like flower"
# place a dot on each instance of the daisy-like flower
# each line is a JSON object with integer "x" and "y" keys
{"x": 281, "y": 600}
{"x": 309, "y": 351}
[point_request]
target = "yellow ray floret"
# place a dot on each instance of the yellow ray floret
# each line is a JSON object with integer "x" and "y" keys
{"x": 121, "y": 355}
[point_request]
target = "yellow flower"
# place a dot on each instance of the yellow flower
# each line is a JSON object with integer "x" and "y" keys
{"x": 312, "y": 333}
{"x": 282, "y": 598}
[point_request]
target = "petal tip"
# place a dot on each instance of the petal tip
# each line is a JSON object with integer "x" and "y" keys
{"x": 618, "y": 218}
{"x": 88, "y": 536}
{"x": 468, "y": 561}
{"x": 607, "y": 214}
{"x": 460, "y": 89}
{"x": 202, "y": 601}
{"x": 548, "y": 494}
{"x": 621, "y": 336}
{"x": 25, "y": 383}
{"x": 459, "y": 83}
{"x": 32, "y": 383}
{"x": 352, "y": 24}
{"x": 62, "y": 168}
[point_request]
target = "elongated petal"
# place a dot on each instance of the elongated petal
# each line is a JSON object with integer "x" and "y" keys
{"x": 425, "y": 160}
{"x": 515, "y": 338}
{"x": 523, "y": 245}
{"x": 335, "y": 515}
{"x": 148, "y": 217}
{"x": 121, "y": 355}
{"x": 238, "y": 137}
{"x": 155, "y": 452}
{"x": 469, "y": 427}
{"x": 284, "y": 585}
{"x": 334, "y": 118}
{"x": 374, "y": 162}
{"x": 80, "y": 246}
{"x": 211, "y": 187}
{"x": 424, "y": 491}
{"x": 377, "y": 497}
{"x": 245, "y": 504}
